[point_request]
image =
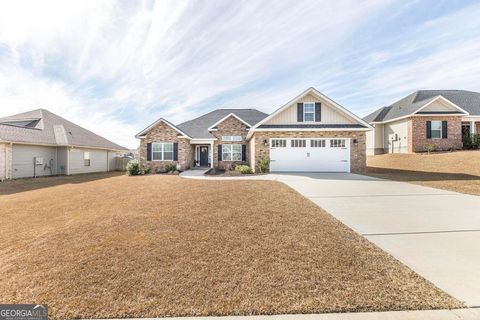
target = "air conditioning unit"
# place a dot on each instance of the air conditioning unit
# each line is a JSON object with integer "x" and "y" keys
{"x": 38, "y": 161}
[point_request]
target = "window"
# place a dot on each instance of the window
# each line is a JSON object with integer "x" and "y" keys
{"x": 298, "y": 144}
{"x": 436, "y": 129}
{"x": 86, "y": 159}
{"x": 317, "y": 143}
{"x": 309, "y": 111}
{"x": 279, "y": 143}
{"x": 162, "y": 151}
{"x": 231, "y": 152}
{"x": 337, "y": 143}
{"x": 231, "y": 138}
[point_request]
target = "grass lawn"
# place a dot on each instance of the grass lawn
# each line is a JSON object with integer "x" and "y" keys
{"x": 102, "y": 246}
{"x": 457, "y": 171}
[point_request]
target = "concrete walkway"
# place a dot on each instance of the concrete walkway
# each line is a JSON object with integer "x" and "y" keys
{"x": 434, "y": 232}
{"x": 459, "y": 314}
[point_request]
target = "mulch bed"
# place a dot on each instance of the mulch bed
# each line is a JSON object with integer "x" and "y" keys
{"x": 157, "y": 245}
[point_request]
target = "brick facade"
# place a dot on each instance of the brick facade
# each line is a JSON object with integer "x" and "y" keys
{"x": 164, "y": 133}
{"x": 358, "y": 158}
{"x": 229, "y": 127}
{"x": 417, "y": 134}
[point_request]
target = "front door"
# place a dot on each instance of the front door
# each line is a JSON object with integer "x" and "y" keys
{"x": 203, "y": 156}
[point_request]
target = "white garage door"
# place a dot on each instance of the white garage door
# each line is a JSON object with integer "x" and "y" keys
{"x": 310, "y": 155}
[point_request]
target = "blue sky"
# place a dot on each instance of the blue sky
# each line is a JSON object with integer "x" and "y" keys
{"x": 116, "y": 66}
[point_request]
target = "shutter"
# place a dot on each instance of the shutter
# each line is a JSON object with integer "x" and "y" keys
{"x": 429, "y": 129}
{"x": 149, "y": 152}
{"x": 318, "y": 112}
{"x": 175, "y": 152}
{"x": 244, "y": 152}
{"x": 444, "y": 130}
{"x": 299, "y": 112}
{"x": 219, "y": 152}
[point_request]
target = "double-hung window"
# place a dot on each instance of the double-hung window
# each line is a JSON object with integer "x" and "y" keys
{"x": 436, "y": 129}
{"x": 86, "y": 159}
{"x": 231, "y": 152}
{"x": 162, "y": 151}
{"x": 309, "y": 111}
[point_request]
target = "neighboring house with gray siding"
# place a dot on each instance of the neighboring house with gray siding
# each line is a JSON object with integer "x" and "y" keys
{"x": 40, "y": 143}
{"x": 426, "y": 117}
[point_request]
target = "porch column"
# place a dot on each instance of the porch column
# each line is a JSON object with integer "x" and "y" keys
{"x": 211, "y": 154}
{"x": 472, "y": 127}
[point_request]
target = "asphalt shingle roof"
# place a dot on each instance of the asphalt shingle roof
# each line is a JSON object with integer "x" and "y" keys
{"x": 48, "y": 128}
{"x": 198, "y": 127}
{"x": 467, "y": 100}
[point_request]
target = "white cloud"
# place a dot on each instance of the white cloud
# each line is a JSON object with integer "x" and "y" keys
{"x": 114, "y": 67}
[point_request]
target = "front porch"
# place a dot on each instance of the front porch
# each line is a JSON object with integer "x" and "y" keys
{"x": 471, "y": 127}
{"x": 202, "y": 153}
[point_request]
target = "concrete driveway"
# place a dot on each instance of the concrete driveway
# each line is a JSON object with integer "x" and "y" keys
{"x": 434, "y": 232}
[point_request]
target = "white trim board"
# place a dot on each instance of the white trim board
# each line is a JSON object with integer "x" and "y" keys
{"x": 231, "y": 114}
{"x": 144, "y": 131}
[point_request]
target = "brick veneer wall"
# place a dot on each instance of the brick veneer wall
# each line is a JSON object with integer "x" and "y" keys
{"x": 230, "y": 127}
{"x": 417, "y": 133}
{"x": 164, "y": 133}
{"x": 358, "y": 158}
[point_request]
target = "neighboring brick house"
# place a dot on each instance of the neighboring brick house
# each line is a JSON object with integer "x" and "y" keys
{"x": 309, "y": 133}
{"x": 427, "y": 117}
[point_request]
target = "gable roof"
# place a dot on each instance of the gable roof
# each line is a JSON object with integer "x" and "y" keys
{"x": 168, "y": 123}
{"x": 41, "y": 126}
{"x": 464, "y": 101}
{"x": 198, "y": 127}
{"x": 314, "y": 91}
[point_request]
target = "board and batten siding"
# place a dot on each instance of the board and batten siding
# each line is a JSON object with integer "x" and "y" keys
{"x": 392, "y": 130}
{"x": 98, "y": 161}
{"x": 329, "y": 114}
{"x": 23, "y": 160}
{"x": 438, "y": 106}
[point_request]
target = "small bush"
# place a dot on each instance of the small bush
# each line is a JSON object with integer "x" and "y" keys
{"x": 429, "y": 147}
{"x": 147, "y": 170}
{"x": 170, "y": 167}
{"x": 243, "y": 169}
{"x": 263, "y": 165}
{"x": 133, "y": 168}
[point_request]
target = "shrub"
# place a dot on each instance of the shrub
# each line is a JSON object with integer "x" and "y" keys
{"x": 133, "y": 168}
{"x": 263, "y": 165}
{"x": 170, "y": 167}
{"x": 243, "y": 169}
{"x": 467, "y": 141}
{"x": 146, "y": 170}
{"x": 235, "y": 164}
{"x": 429, "y": 147}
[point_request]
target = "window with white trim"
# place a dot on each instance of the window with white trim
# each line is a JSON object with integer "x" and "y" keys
{"x": 309, "y": 111}
{"x": 436, "y": 129}
{"x": 162, "y": 151}
{"x": 231, "y": 152}
{"x": 279, "y": 143}
{"x": 337, "y": 143}
{"x": 86, "y": 159}
{"x": 317, "y": 143}
{"x": 231, "y": 138}
{"x": 298, "y": 143}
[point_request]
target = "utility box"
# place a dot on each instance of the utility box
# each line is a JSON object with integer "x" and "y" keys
{"x": 38, "y": 161}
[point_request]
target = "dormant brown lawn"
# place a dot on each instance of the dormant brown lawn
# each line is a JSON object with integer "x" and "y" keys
{"x": 103, "y": 246}
{"x": 457, "y": 171}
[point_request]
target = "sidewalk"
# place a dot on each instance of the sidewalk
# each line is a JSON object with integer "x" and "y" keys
{"x": 458, "y": 314}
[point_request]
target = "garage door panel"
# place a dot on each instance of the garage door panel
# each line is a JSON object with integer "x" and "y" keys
{"x": 314, "y": 157}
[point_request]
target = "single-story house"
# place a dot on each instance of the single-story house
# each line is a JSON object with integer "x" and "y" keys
{"x": 309, "y": 133}
{"x": 426, "y": 117}
{"x": 40, "y": 143}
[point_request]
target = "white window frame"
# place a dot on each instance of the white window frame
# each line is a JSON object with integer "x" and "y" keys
{"x": 317, "y": 143}
{"x": 343, "y": 143}
{"x": 232, "y": 138}
{"x": 439, "y": 130}
{"x": 162, "y": 151}
{"x": 86, "y": 157}
{"x": 312, "y": 112}
{"x": 231, "y": 152}
{"x": 278, "y": 143}
{"x": 295, "y": 143}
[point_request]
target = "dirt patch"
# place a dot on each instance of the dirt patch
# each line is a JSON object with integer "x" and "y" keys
{"x": 152, "y": 246}
{"x": 456, "y": 171}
